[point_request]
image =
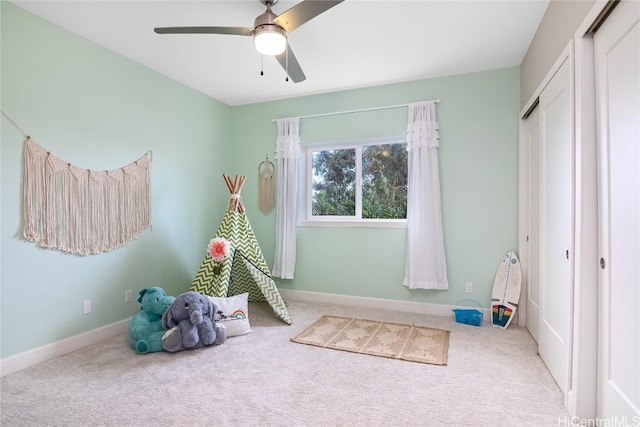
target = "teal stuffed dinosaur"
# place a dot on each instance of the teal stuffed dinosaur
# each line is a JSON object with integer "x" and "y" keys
{"x": 145, "y": 328}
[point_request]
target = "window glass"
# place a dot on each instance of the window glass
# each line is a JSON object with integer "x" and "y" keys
{"x": 384, "y": 181}
{"x": 334, "y": 183}
{"x": 358, "y": 181}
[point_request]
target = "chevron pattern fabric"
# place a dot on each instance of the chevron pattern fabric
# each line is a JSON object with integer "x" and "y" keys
{"x": 268, "y": 287}
{"x": 207, "y": 283}
{"x": 242, "y": 280}
{"x": 244, "y": 271}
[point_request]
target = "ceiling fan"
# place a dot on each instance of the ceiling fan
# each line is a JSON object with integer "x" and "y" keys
{"x": 269, "y": 31}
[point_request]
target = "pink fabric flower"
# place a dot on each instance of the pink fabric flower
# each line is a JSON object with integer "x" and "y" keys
{"x": 219, "y": 249}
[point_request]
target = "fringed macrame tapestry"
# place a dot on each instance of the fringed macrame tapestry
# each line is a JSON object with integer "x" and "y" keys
{"x": 266, "y": 186}
{"x": 82, "y": 211}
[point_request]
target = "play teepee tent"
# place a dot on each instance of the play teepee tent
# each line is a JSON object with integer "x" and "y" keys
{"x": 245, "y": 269}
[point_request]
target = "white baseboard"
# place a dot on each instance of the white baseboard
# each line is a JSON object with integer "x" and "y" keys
{"x": 21, "y": 361}
{"x": 377, "y": 303}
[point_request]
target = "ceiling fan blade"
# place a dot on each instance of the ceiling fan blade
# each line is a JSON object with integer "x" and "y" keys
{"x": 303, "y": 12}
{"x": 237, "y": 31}
{"x": 293, "y": 68}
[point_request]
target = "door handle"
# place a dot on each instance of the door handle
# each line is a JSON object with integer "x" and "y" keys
{"x": 602, "y": 263}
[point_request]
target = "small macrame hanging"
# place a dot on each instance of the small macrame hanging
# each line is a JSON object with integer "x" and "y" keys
{"x": 266, "y": 186}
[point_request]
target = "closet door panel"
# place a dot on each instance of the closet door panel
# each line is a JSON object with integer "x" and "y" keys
{"x": 554, "y": 343}
{"x": 533, "y": 288}
{"x": 617, "y": 58}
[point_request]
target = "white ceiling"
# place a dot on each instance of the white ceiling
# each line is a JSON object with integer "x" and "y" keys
{"x": 355, "y": 44}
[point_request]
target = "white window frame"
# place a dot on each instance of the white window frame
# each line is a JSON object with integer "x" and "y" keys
{"x": 306, "y": 219}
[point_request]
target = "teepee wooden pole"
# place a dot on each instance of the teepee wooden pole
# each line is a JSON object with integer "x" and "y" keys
{"x": 235, "y": 202}
{"x": 227, "y": 181}
{"x": 238, "y": 189}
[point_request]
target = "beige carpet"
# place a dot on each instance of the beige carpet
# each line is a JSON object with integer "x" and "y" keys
{"x": 393, "y": 340}
{"x": 264, "y": 379}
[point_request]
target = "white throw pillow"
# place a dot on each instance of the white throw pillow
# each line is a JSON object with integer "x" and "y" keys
{"x": 233, "y": 313}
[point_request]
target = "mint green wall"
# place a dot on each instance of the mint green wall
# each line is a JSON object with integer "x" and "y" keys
{"x": 98, "y": 110}
{"x": 478, "y": 116}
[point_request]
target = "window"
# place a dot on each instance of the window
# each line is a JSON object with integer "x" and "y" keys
{"x": 357, "y": 181}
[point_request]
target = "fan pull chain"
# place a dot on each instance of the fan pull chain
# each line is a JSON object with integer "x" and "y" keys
{"x": 262, "y": 65}
{"x": 286, "y": 61}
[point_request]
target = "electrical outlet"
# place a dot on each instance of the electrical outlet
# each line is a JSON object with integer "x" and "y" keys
{"x": 86, "y": 306}
{"x": 128, "y": 296}
{"x": 469, "y": 289}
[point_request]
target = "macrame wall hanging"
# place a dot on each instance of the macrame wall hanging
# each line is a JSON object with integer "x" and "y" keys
{"x": 82, "y": 211}
{"x": 266, "y": 186}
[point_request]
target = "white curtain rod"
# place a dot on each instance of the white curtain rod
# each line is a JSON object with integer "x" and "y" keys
{"x": 335, "y": 113}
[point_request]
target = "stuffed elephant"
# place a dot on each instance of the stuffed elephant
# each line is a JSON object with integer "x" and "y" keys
{"x": 189, "y": 323}
{"x": 145, "y": 328}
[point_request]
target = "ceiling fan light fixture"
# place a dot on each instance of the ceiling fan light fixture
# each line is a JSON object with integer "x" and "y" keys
{"x": 270, "y": 40}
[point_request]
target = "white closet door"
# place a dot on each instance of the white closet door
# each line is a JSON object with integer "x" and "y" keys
{"x": 532, "y": 125}
{"x": 617, "y": 62}
{"x": 554, "y": 336}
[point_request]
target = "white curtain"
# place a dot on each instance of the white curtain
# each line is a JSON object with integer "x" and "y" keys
{"x": 425, "y": 267}
{"x": 287, "y": 153}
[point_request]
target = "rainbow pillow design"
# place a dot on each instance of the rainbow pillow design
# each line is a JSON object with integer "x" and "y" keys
{"x": 233, "y": 313}
{"x": 239, "y": 314}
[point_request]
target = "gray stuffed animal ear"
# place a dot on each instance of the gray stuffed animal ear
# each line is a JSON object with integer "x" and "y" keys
{"x": 212, "y": 309}
{"x": 167, "y": 320}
